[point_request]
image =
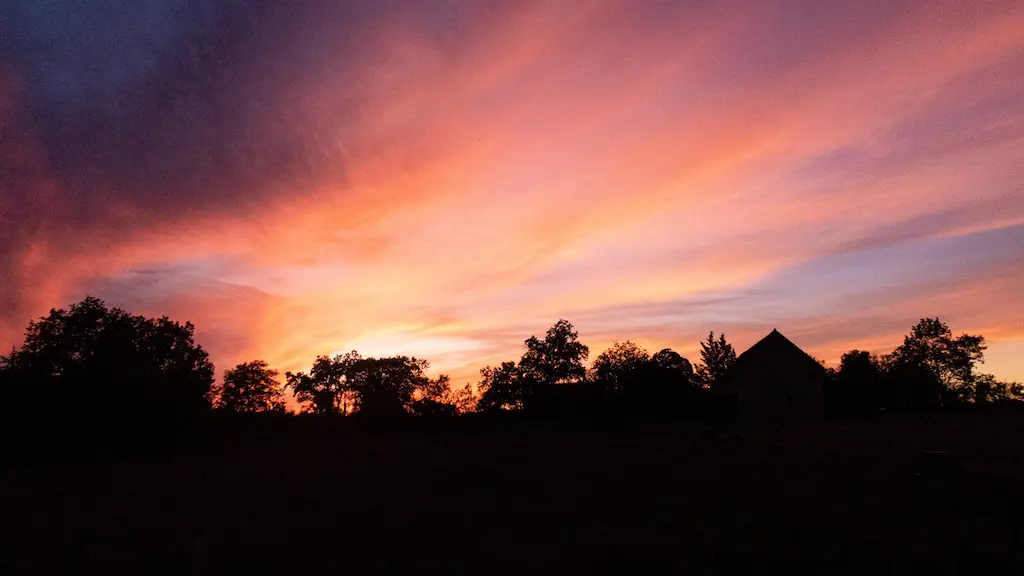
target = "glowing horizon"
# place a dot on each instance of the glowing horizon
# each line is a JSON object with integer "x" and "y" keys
{"x": 446, "y": 180}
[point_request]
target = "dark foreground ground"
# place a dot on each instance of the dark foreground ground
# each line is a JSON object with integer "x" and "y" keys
{"x": 837, "y": 497}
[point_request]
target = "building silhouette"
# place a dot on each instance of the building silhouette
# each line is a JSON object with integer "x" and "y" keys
{"x": 774, "y": 380}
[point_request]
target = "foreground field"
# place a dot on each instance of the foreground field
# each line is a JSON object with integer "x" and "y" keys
{"x": 838, "y": 497}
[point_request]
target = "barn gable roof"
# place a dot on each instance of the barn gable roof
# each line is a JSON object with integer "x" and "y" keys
{"x": 775, "y": 347}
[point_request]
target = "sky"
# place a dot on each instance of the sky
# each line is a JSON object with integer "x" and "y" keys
{"x": 445, "y": 178}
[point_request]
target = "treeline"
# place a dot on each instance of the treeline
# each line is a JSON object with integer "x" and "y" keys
{"x": 92, "y": 374}
{"x": 931, "y": 369}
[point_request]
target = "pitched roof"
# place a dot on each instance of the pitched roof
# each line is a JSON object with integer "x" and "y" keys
{"x": 776, "y": 346}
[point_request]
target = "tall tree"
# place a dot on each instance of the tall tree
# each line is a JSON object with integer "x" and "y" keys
{"x": 560, "y": 358}
{"x": 717, "y": 358}
{"x": 557, "y": 359}
{"x": 250, "y": 387}
{"x": 932, "y": 346}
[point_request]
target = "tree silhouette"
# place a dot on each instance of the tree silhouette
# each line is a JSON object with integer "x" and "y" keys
{"x": 464, "y": 399}
{"x": 384, "y": 387}
{"x": 325, "y": 389}
{"x": 501, "y": 388}
{"x": 618, "y": 366}
{"x": 559, "y": 358}
{"x": 671, "y": 388}
{"x": 436, "y": 390}
{"x": 95, "y": 367}
{"x": 717, "y": 357}
{"x": 670, "y": 360}
{"x": 377, "y": 388}
{"x": 856, "y": 387}
{"x": 911, "y": 386}
{"x": 250, "y": 387}
{"x": 436, "y": 398}
{"x": 989, "y": 390}
{"x": 641, "y": 387}
{"x": 432, "y": 398}
{"x": 932, "y": 346}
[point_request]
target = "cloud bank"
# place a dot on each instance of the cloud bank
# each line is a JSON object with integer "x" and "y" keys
{"x": 446, "y": 178}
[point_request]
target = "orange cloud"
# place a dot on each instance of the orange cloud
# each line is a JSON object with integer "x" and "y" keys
{"x": 456, "y": 190}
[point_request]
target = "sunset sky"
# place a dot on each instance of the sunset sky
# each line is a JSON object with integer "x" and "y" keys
{"x": 444, "y": 179}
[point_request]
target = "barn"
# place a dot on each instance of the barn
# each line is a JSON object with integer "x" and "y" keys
{"x": 776, "y": 380}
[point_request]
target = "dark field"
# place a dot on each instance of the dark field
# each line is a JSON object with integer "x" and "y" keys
{"x": 837, "y": 497}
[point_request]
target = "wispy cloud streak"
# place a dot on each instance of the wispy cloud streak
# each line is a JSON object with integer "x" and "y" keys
{"x": 447, "y": 178}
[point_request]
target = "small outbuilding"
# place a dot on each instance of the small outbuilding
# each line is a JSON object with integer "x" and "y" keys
{"x": 776, "y": 380}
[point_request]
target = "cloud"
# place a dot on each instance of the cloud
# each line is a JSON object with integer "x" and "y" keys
{"x": 452, "y": 177}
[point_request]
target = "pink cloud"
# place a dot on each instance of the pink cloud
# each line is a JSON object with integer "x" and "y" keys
{"x": 456, "y": 195}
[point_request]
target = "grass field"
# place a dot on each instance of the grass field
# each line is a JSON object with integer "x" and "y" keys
{"x": 835, "y": 497}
